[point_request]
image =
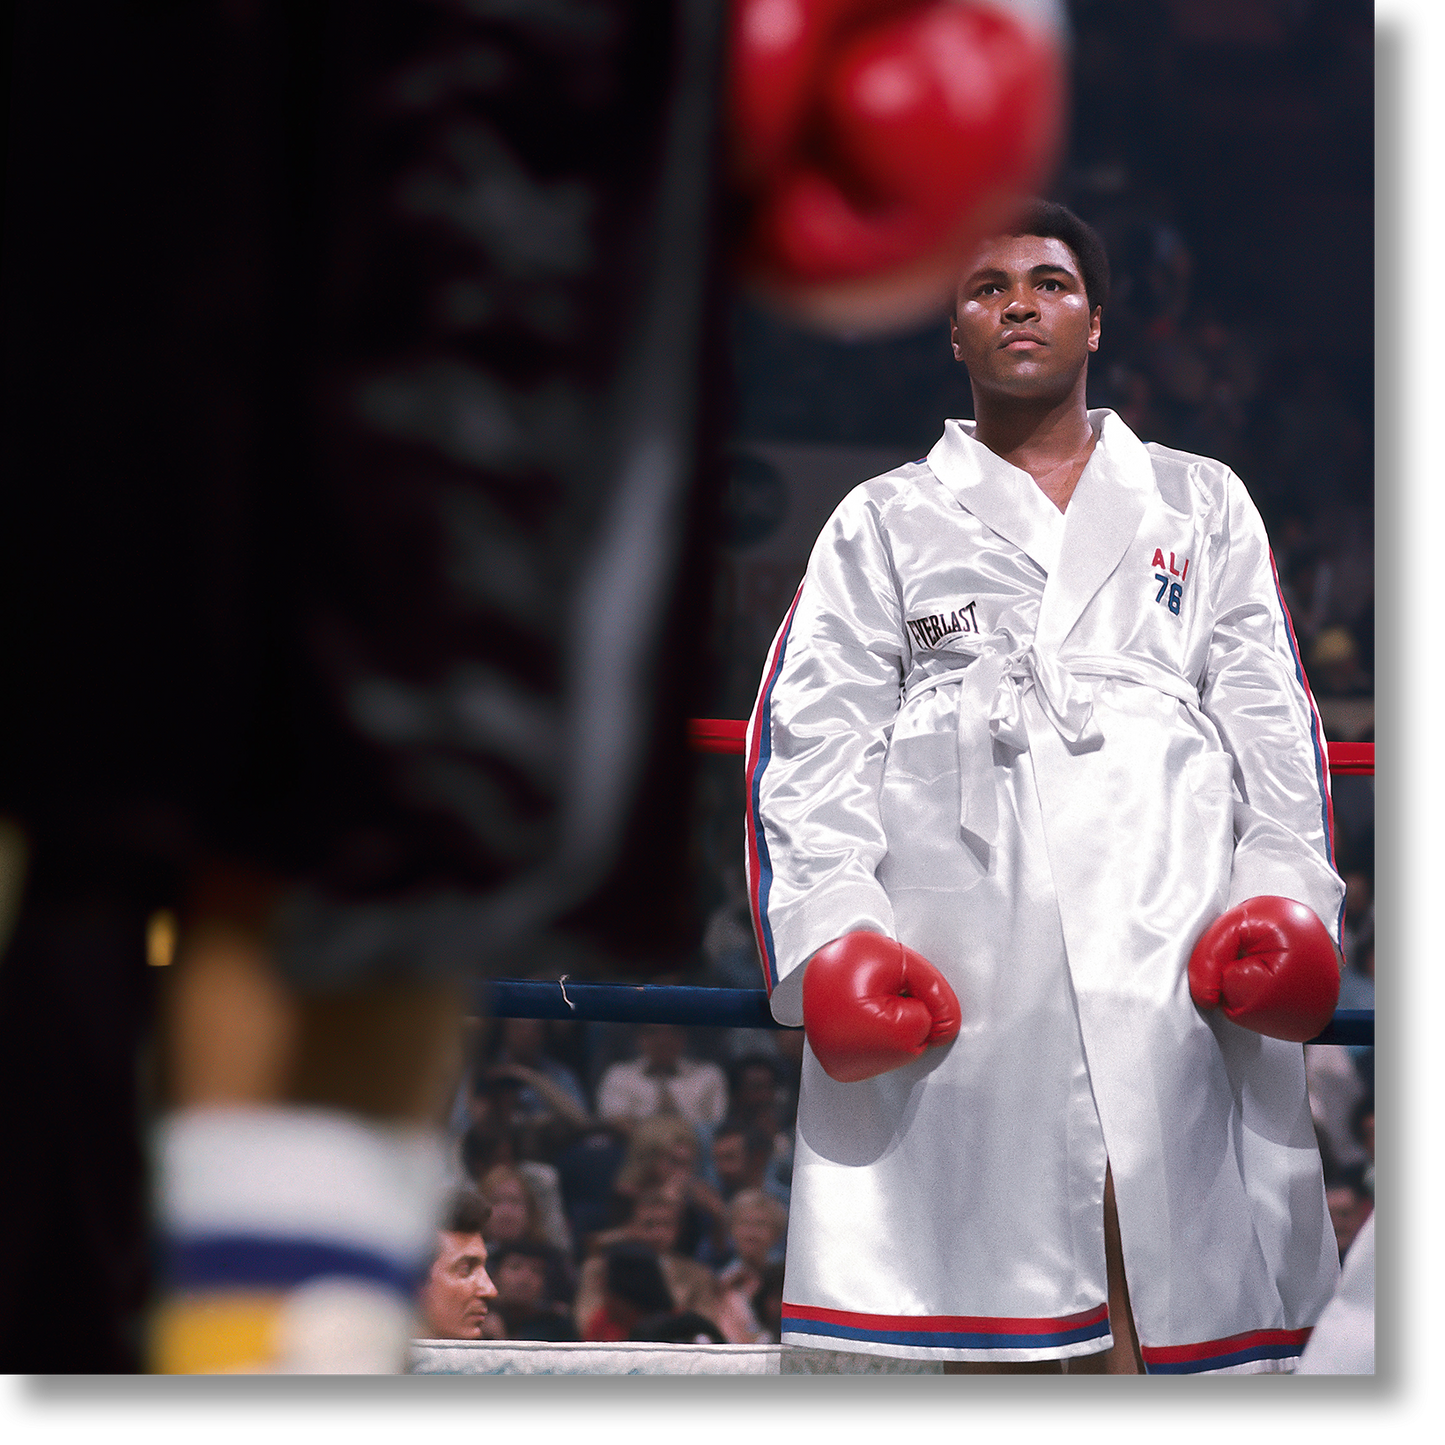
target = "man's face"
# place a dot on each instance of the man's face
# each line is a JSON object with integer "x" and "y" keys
{"x": 661, "y": 1044}
{"x": 1022, "y": 324}
{"x": 454, "y": 1297}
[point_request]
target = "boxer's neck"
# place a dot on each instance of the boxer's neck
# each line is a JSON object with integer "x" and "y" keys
{"x": 1050, "y": 440}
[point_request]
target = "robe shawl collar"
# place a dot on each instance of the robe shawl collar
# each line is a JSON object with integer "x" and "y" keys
{"x": 1002, "y": 496}
{"x": 1100, "y": 522}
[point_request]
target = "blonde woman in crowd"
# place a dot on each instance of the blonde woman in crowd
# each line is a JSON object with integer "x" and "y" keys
{"x": 518, "y": 1218}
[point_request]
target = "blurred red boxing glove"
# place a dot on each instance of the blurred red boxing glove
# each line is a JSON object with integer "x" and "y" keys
{"x": 870, "y": 1005}
{"x": 1272, "y": 966}
{"x": 875, "y": 141}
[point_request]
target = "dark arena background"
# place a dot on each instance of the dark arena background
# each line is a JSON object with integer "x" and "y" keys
{"x": 216, "y": 343}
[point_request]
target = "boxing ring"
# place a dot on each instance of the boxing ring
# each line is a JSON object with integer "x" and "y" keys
{"x": 728, "y": 1008}
{"x": 632, "y": 1357}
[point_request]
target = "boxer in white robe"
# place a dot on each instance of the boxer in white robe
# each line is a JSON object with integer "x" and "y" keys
{"x": 1046, "y": 749}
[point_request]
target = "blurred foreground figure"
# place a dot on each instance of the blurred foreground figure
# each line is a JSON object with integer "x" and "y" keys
{"x": 360, "y": 401}
{"x": 353, "y": 373}
{"x": 875, "y": 142}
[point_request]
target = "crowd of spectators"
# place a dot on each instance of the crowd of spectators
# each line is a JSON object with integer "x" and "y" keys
{"x": 634, "y": 1180}
{"x": 600, "y": 1219}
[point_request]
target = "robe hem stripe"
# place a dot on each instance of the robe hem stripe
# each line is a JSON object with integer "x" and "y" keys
{"x": 958, "y": 1332}
{"x": 1219, "y": 1354}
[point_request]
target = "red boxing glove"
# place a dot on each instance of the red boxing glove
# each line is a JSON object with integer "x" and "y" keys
{"x": 1271, "y": 965}
{"x": 870, "y": 1005}
{"x": 875, "y": 141}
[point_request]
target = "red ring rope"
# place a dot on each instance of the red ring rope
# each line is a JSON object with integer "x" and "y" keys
{"x": 726, "y": 735}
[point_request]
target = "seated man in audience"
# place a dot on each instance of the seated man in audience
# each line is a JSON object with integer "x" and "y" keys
{"x": 758, "y": 1095}
{"x": 757, "y": 1226}
{"x": 662, "y": 1081}
{"x": 741, "y": 1156}
{"x": 763, "y": 1092}
{"x": 547, "y": 1104}
{"x": 621, "y": 1289}
{"x": 453, "y": 1301}
{"x": 1350, "y": 1206}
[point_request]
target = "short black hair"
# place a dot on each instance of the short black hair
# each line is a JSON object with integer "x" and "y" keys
{"x": 634, "y": 1274}
{"x": 1049, "y": 218}
{"x": 466, "y": 1212}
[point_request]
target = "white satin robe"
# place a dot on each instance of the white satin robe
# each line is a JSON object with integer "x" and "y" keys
{"x": 1101, "y": 741}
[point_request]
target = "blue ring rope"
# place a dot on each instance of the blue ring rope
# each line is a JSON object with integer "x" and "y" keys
{"x": 737, "y": 1008}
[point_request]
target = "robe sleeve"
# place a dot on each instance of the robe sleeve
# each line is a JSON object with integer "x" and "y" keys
{"x": 816, "y": 745}
{"x": 1256, "y": 693}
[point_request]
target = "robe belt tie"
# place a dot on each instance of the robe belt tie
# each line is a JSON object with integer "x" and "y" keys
{"x": 990, "y": 709}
